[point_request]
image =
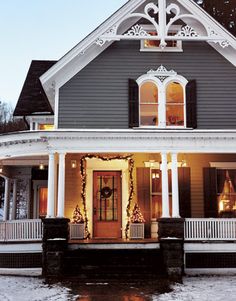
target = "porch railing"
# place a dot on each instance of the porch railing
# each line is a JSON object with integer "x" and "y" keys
{"x": 21, "y": 230}
{"x": 210, "y": 229}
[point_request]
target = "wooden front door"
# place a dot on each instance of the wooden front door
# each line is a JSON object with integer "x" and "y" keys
{"x": 107, "y": 204}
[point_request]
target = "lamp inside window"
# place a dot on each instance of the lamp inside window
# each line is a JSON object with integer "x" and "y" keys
{"x": 227, "y": 196}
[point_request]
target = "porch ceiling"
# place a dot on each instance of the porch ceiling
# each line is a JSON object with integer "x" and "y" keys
{"x": 104, "y": 141}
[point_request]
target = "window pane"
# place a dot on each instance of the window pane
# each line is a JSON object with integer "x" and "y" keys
{"x": 43, "y": 197}
{"x": 174, "y": 115}
{"x": 156, "y": 44}
{"x": 149, "y": 114}
{"x": 107, "y": 198}
{"x": 149, "y": 93}
{"x": 226, "y": 193}
{"x": 46, "y": 127}
{"x": 174, "y": 93}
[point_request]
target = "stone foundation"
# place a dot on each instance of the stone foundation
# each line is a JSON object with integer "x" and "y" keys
{"x": 171, "y": 235}
{"x": 55, "y": 242}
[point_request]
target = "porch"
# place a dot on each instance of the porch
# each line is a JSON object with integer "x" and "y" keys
{"x": 195, "y": 230}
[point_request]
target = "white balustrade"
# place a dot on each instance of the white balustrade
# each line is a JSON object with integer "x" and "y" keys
{"x": 210, "y": 229}
{"x": 21, "y": 230}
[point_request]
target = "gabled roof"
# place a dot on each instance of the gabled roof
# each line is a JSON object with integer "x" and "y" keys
{"x": 88, "y": 49}
{"x": 32, "y": 99}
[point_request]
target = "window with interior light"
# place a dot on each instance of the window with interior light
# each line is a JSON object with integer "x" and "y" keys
{"x": 162, "y": 104}
{"x": 154, "y": 45}
{"x": 45, "y": 127}
{"x": 226, "y": 192}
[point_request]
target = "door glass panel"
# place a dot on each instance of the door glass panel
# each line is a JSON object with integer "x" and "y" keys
{"x": 43, "y": 200}
{"x": 107, "y": 198}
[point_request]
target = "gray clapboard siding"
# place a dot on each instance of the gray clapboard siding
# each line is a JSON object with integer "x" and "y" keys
{"x": 97, "y": 97}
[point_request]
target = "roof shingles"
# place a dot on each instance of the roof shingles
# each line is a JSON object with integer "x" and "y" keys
{"x": 33, "y": 99}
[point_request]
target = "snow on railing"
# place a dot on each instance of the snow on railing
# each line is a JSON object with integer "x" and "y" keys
{"x": 210, "y": 229}
{"x": 21, "y": 230}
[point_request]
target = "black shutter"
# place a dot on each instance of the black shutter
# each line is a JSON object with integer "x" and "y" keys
{"x": 143, "y": 194}
{"x": 133, "y": 104}
{"x": 184, "y": 191}
{"x": 191, "y": 104}
{"x": 210, "y": 192}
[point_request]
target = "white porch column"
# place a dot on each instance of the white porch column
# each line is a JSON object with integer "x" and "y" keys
{"x": 14, "y": 200}
{"x": 165, "y": 188}
{"x": 61, "y": 186}
{"x": 6, "y": 199}
{"x": 175, "y": 185}
{"x": 51, "y": 184}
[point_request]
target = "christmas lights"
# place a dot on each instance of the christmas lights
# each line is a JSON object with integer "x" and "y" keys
{"x": 84, "y": 182}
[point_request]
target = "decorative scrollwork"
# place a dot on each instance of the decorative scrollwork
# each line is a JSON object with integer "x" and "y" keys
{"x": 222, "y": 43}
{"x": 187, "y": 31}
{"x": 162, "y": 73}
{"x": 151, "y": 7}
{"x": 137, "y": 30}
{"x": 100, "y": 41}
{"x": 173, "y": 7}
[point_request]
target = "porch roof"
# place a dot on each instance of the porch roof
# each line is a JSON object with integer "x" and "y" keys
{"x": 111, "y": 141}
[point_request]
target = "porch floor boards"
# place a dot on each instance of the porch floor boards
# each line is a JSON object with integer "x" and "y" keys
{"x": 113, "y": 241}
{"x": 114, "y": 244}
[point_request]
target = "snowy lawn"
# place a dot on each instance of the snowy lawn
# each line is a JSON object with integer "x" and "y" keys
{"x": 216, "y": 288}
{"x": 31, "y": 289}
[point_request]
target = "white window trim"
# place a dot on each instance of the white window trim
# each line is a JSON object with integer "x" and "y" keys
{"x": 174, "y": 29}
{"x": 161, "y": 86}
{"x": 35, "y": 121}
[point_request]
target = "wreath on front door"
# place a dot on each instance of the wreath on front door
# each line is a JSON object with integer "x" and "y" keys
{"x": 106, "y": 192}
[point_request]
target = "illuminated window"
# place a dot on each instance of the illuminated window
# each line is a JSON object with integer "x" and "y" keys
{"x": 175, "y": 104}
{"x": 43, "y": 200}
{"x": 156, "y": 193}
{"x": 226, "y": 194}
{"x": 154, "y": 45}
{"x": 149, "y": 104}
{"x": 46, "y": 127}
{"x": 162, "y": 104}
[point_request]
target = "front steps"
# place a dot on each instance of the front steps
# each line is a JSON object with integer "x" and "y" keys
{"x": 111, "y": 264}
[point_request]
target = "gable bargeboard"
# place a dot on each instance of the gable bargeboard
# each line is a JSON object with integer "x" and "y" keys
{"x": 97, "y": 97}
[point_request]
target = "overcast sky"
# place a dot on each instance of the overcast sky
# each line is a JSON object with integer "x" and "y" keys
{"x": 44, "y": 30}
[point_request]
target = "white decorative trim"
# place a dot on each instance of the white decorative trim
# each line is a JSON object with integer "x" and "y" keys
{"x": 137, "y": 30}
{"x": 162, "y": 28}
{"x": 187, "y": 31}
{"x": 117, "y": 141}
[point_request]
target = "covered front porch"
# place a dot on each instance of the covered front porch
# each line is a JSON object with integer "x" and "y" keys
{"x": 103, "y": 174}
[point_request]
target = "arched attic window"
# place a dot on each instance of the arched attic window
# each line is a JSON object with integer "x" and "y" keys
{"x": 164, "y": 102}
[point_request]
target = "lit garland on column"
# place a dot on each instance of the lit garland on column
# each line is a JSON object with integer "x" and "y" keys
{"x": 84, "y": 181}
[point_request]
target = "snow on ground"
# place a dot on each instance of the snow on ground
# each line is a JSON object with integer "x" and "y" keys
{"x": 216, "y": 288}
{"x": 31, "y": 289}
